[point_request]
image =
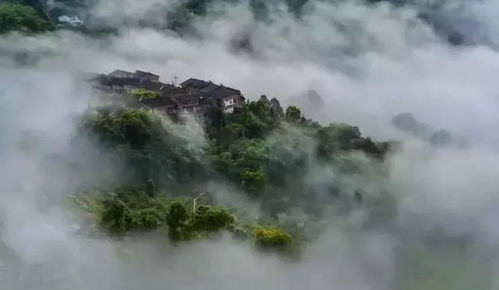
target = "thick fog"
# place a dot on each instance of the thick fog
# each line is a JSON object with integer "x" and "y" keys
{"x": 367, "y": 62}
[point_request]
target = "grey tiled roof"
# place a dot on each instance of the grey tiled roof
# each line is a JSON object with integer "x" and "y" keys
{"x": 209, "y": 89}
{"x": 195, "y": 84}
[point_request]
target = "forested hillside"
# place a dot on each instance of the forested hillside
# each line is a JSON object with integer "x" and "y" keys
{"x": 15, "y": 16}
{"x": 271, "y": 156}
{"x": 249, "y": 144}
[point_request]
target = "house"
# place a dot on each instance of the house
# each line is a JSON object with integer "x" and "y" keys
{"x": 178, "y": 106}
{"x": 121, "y": 74}
{"x": 216, "y": 96}
{"x": 138, "y": 74}
{"x": 146, "y": 76}
{"x": 193, "y": 96}
{"x": 120, "y": 81}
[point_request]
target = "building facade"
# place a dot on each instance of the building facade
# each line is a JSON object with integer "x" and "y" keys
{"x": 192, "y": 97}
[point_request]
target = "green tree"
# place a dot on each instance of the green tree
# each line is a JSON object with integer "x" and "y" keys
{"x": 176, "y": 219}
{"x": 143, "y": 94}
{"x": 342, "y": 137}
{"x": 293, "y": 113}
{"x": 254, "y": 181}
{"x": 15, "y": 16}
{"x": 126, "y": 209}
{"x": 209, "y": 219}
{"x": 115, "y": 216}
{"x": 151, "y": 148}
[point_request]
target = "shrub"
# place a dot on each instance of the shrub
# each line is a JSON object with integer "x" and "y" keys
{"x": 274, "y": 238}
{"x": 209, "y": 219}
{"x": 147, "y": 219}
{"x": 176, "y": 219}
{"x": 116, "y": 216}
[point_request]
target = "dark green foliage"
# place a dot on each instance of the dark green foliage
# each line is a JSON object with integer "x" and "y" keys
{"x": 273, "y": 157}
{"x": 176, "y": 219}
{"x": 208, "y": 219}
{"x": 130, "y": 209}
{"x": 152, "y": 151}
{"x": 177, "y": 215}
{"x": 115, "y": 216}
{"x": 293, "y": 114}
{"x": 255, "y": 121}
{"x": 15, "y": 16}
{"x": 264, "y": 151}
{"x": 134, "y": 128}
{"x": 338, "y": 138}
{"x": 245, "y": 164}
{"x": 147, "y": 218}
{"x": 127, "y": 208}
{"x": 254, "y": 181}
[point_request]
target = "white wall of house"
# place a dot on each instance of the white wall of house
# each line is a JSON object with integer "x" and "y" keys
{"x": 229, "y": 102}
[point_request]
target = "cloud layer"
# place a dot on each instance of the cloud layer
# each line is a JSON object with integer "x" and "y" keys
{"x": 368, "y": 62}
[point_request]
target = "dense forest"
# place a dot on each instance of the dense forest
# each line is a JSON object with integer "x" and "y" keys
{"x": 263, "y": 153}
{"x": 16, "y": 16}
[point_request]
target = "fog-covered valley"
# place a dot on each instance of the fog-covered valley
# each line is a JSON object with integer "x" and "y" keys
{"x": 370, "y": 162}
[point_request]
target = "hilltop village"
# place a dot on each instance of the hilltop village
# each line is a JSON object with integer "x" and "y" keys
{"x": 191, "y": 97}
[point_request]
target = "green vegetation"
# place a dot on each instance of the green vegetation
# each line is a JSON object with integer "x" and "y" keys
{"x": 125, "y": 210}
{"x": 151, "y": 148}
{"x": 281, "y": 160}
{"x": 272, "y": 238}
{"x": 143, "y": 94}
{"x": 15, "y": 16}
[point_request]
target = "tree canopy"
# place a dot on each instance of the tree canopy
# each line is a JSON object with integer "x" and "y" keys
{"x": 278, "y": 158}
{"x": 18, "y": 17}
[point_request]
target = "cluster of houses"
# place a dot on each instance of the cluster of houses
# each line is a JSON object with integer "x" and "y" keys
{"x": 191, "y": 97}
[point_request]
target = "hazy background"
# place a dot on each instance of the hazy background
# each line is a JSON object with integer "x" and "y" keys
{"x": 367, "y": 61}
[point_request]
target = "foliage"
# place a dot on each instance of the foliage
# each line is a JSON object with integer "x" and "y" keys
{"x": 176, "y": 218}
{"x": 152, "y": 150}
{"x": 293, "y": 114}
{"x": 15, "y": 16}
{"x": 272, "y": 238}
{"x": 143, "y": 94}
{"x": 283, "y": 161}
{"x": 125, "y": 209}
{"x": 177, "y": 215}
{"x": 208, "y": 219}
{"x": 129, "y": 209}
{"x": 254, "y": 181}
{"x": 338, "y": 138}
{"x": 244, "y": 163}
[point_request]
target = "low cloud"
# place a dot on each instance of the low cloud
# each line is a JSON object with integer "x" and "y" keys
{"x": 367, "y": 63}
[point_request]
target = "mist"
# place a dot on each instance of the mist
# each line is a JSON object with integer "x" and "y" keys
{"x": 367, "y": 61}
